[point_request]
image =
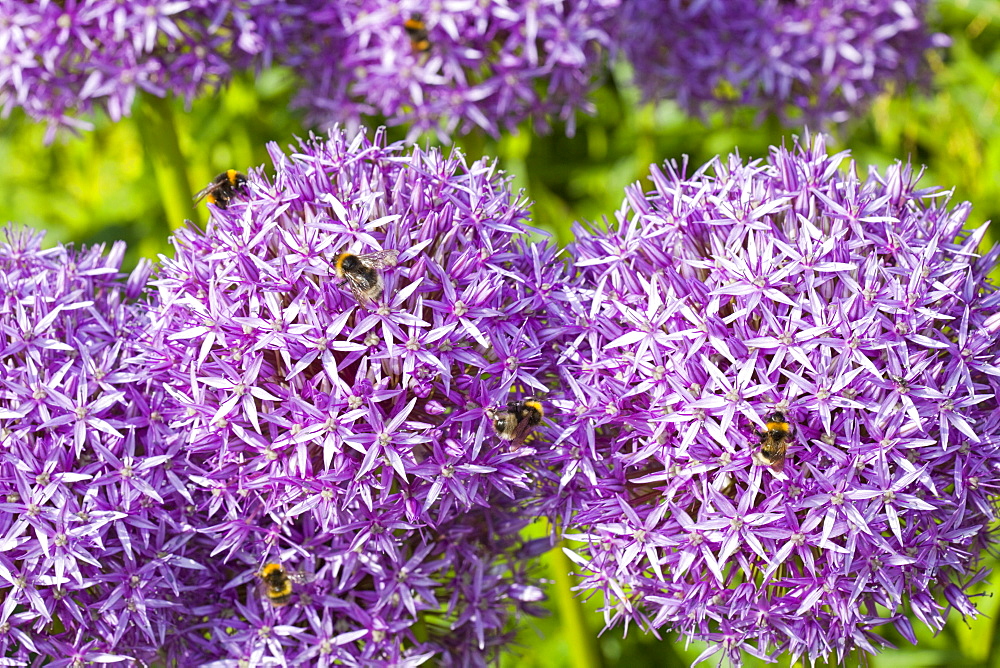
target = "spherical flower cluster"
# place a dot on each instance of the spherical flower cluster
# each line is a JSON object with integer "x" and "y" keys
{"x": 345, "y": 436}
{"x": 859, "y": 310}
{"x": 451, "y": 68}
{"x": 92, "y": 529}
{"x": 59, "y": 60}
{"x": 821, "y": 60}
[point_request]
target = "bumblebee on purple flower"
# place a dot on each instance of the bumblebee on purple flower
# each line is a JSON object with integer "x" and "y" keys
{"x": 515, "y": 422}
{"x": 774, "y": 442}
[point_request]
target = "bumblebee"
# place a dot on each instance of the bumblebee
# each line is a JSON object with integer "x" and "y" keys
{"x": 222, "y": 189}
{"x": 417, "y": 30}
{"x": 774, "y": 442}
{"x": 362, "y": 273}
{"x": 276, "y": 583}
{"x": 517, "y": 420}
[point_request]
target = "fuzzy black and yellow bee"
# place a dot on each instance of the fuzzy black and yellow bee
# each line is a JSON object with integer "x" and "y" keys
{"x": 417, "y": 31}
{"x": 361, "y": 273}
{"x": 276, "y": 583}
{"x": 222, "y": 189}
{"x": 774, "y": 442}
{"x": 515, "y": 422}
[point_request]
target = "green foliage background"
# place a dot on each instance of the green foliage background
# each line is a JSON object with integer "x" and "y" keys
{"x": 105, "y": 186}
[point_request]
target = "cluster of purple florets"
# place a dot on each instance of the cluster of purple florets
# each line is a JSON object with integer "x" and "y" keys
{"x": 165, "y": 439}
{"x": 94, "y": 540}
{"x": 858, "y": 309}
{"x": 484, "y": 66}
{"x": 799, "y": 59}
{"x": 59, "y": 60}
{"x": 248, "y": 410}
{"x": 349, "y": 441}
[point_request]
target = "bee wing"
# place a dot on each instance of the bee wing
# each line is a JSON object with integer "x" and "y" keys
{"x": 364, "y": 293}
{"x": 203, "y": 193}
{"x": 380, "y": 259}
{"x": 300, "y": 577}
{"x": 521, "y": 431}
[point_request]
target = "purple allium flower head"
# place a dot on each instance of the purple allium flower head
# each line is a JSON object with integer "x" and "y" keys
{"x": 458, "y": 67}
{"x": 91, "y": 534}
{"x": 859, "y": 309}
{"x": 59, "y": 60}
{"x": 350, "y": 440}
{"x": 824, "y": 58}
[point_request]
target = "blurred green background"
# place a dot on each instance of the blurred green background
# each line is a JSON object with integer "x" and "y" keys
{"x": 105, "y": 185}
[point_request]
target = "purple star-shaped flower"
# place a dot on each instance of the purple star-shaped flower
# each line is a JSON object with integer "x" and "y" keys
{"x": 346, "y": 437}
{"x": 784, "y": 304}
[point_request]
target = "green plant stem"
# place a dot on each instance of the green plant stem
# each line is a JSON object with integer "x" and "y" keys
{"x": 155, "y": 118}
{"x": 993, "y": 655}
{"x": 583, "y": 648}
